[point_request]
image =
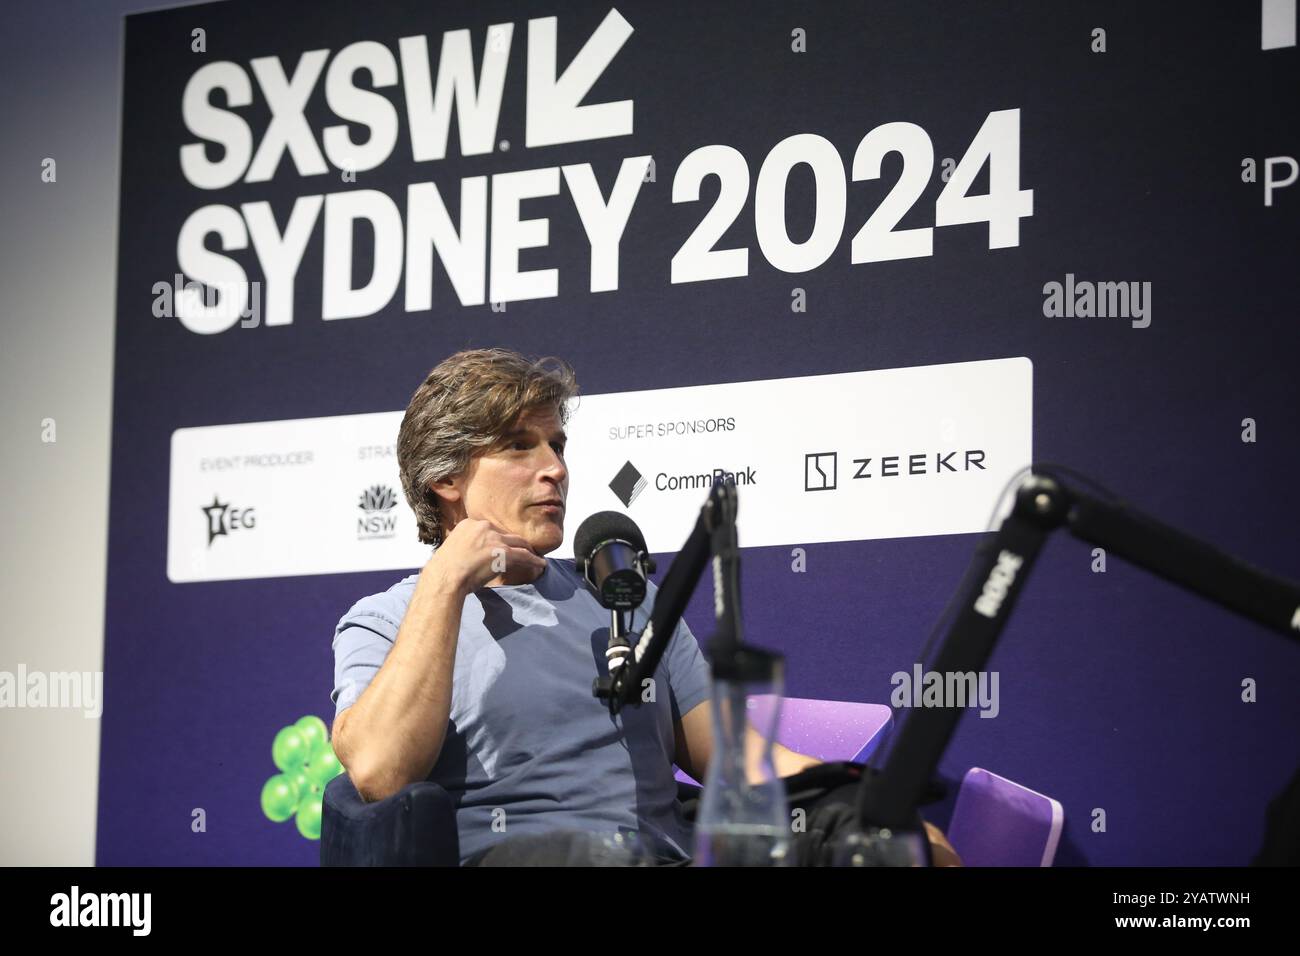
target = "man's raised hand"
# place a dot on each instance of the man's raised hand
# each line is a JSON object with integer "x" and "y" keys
{"x": 477, "y": 551}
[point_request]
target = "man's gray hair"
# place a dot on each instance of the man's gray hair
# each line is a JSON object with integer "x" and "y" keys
{"x": 465, "y": 407}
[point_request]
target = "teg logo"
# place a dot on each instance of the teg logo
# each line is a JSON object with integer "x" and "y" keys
{"x": 223, "y": 519}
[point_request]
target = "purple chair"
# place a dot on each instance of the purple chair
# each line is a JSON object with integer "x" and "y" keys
{"x": 997, "y": 822}
{"x": 829, "y": 730}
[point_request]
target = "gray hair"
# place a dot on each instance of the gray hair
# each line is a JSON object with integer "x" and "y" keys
{"x": 464, "y": 407}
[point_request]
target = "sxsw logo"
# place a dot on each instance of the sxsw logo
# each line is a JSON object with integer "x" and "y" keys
{"x": 223, "y": 519}
{"x": 377, "y": 502}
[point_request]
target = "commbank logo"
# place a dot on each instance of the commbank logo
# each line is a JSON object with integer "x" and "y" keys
{"x": 628, "y": 484}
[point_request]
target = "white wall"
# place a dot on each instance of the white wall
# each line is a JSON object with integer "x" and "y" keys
{"x": 60, "y": 62}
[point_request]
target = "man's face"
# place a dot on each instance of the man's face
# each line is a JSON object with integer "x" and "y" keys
{"x": 508, "y": 484}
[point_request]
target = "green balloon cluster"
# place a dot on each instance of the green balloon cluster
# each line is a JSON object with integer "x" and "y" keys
{"x": 302, "y": 752}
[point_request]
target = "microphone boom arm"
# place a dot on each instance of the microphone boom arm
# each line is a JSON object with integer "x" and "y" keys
{"x": 714, "y": 533}
{"x": 1043, "y": 504}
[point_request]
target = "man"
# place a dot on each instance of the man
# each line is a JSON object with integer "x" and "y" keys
{"x": 476, "y": 672}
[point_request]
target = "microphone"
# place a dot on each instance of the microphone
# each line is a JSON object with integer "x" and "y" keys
{"x": 609, "y": 552}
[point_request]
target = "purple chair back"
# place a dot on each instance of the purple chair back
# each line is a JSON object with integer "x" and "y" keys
{"x": 826, "y": 729}
{"x": 997, "y": 822}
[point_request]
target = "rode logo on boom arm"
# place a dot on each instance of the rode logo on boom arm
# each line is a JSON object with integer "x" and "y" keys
{"x": 999, "y": 582}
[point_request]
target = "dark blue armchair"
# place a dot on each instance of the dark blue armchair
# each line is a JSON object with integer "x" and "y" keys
{"x": 414, "y": 827}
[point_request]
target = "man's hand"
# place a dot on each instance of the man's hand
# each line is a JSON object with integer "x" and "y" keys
{"x": 786, "y": 761}
{"x": 477, "y": 551}
{"x": 694, "y": 737}
{"x": 940, "y": 848}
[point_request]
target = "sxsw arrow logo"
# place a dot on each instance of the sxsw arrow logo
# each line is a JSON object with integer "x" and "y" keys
{"x": 554, "y": 116}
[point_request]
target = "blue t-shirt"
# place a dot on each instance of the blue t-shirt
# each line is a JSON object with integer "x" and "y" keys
{"x": 528, "y": 748}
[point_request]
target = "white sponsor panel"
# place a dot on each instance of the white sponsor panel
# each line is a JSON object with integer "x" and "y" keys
{"x": 841, "y": 457}
{"x": 272, "y": 499}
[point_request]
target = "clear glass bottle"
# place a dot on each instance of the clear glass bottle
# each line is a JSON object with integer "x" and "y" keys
{"x": 742, "y": 822}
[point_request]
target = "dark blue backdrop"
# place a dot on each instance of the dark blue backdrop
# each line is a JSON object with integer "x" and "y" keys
{"x": 1118, "y": 690}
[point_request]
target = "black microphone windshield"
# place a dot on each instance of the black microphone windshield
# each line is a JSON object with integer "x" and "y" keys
{"x": 601, "y": 527}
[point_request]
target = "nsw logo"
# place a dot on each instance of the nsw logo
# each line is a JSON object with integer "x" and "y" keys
{"x": 378, "y": 520}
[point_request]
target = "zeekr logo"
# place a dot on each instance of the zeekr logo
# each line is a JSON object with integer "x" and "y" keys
{"x": 819, "y": 471}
